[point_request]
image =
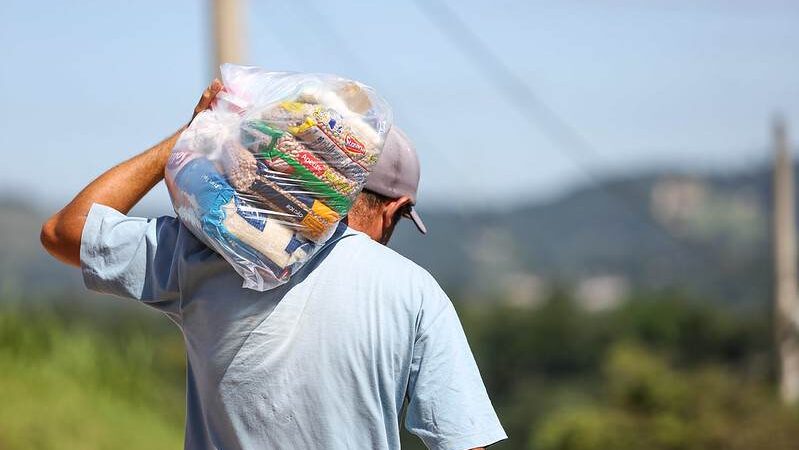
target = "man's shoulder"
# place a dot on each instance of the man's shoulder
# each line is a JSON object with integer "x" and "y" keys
{"x": 379, "y": 274}
{"x": 375, "y": 259}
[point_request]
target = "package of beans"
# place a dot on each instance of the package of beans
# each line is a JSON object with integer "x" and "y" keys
{"x": 265, "y": 176}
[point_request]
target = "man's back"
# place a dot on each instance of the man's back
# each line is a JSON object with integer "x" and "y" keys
{"x": 323, "y": 361}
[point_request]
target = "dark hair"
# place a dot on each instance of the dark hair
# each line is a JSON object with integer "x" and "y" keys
{"x": 367, "y": 203}
{"x": 374, "y": 200}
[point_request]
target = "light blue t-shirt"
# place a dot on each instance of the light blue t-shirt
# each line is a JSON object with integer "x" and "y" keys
{"x": 324, "y": 361}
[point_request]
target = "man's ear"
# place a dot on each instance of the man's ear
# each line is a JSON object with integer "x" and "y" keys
{"x": 391, "y": 208}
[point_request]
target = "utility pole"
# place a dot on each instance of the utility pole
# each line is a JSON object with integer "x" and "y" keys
{"x": 785, "y": 301}
{"x": 229, "y": 32}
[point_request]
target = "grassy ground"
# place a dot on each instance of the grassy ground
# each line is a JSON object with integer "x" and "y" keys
{"x": 46, "y": 408}
{"x": 660, "y": 373}
{"x": 65, "y": 386}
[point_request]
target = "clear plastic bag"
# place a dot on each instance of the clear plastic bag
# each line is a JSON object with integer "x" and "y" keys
{"x": 267, "y": 173}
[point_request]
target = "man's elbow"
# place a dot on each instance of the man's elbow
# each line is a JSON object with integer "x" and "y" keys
{"x": 48, "y": 235}
{"x": 60, "y": 241}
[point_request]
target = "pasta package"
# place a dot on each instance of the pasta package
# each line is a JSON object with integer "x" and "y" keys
{"x": 265, "y": 176}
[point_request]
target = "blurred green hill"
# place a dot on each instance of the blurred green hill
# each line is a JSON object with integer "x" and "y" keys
{"x": 707, "y": 234}
{"x": 24, "y": 265}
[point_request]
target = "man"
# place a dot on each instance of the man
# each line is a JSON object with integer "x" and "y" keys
{"x": 324, "y": 361}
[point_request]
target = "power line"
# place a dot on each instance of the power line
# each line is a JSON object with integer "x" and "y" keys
{"x": 327, "y": 30}
{"x": 520, "y": 95}
{"x": 515, "y": 89}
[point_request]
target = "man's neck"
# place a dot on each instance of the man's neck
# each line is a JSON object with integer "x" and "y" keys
{"x": 366, "y": 228}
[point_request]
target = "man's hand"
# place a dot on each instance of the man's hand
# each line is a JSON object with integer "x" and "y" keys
{"x": 207, "y": 98}
{"x": 121, "y": 187}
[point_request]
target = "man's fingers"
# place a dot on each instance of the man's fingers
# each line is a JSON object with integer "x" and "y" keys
{"x": 208, "y": 96}
{"x": 215, "y": 86}
{"x": 212, "y": 90}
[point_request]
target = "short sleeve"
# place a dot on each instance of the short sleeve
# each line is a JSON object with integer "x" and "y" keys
{"x": 448, "y": 406}
{"x": 132, "y": 257}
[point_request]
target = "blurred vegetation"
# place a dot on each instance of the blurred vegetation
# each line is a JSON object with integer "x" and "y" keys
{"x": 659, "y": 372}
{"x": 83, "y": 379}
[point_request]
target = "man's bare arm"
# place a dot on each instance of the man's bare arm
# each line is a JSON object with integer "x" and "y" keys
{"x": 121, "y": 187}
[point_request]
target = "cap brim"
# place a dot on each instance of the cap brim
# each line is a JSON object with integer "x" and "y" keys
{"x": 417, "y": 220}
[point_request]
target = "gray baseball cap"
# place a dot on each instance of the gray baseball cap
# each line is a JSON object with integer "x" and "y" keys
{"x": 397, "y": 172}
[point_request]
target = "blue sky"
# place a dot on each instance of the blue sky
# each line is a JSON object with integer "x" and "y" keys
{"x": 674, "y": 83}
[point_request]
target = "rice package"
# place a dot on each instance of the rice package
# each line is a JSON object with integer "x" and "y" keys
{"x": 267, "y": 173}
